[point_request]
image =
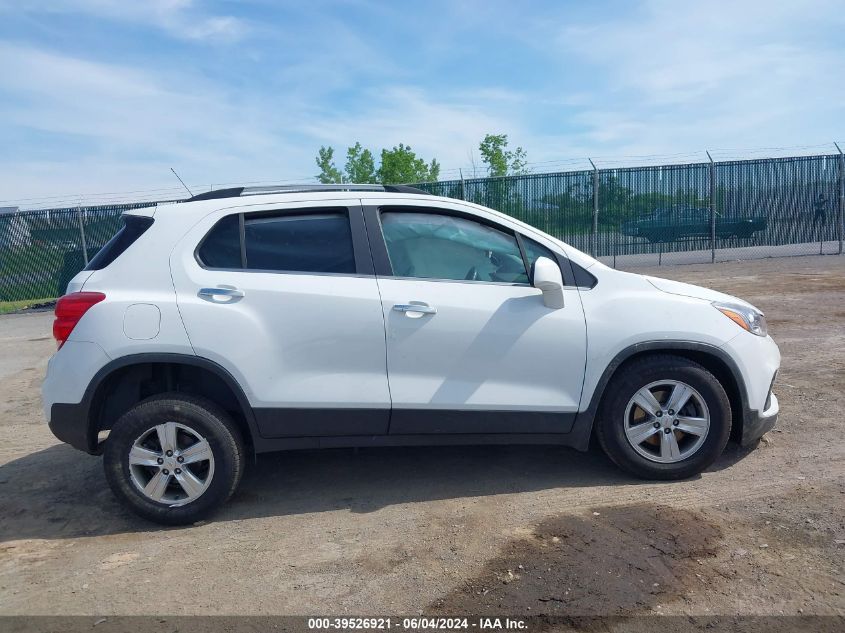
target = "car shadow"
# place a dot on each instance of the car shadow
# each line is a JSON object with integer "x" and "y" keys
{"x": 60, "y": 493}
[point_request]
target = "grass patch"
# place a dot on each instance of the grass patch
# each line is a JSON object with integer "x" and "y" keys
{"x": 7, "y": 307}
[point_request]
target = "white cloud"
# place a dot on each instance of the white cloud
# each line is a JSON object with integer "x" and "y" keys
{"x": 131, "y": 125}
{"x": 127, "y": 121}
{"x": 433, "y": 125}
{"x": 117, "y": 106}
{"x": 725, "y": 74}
{"x": 181, "y": 19}
{"x": 664, "y": 79}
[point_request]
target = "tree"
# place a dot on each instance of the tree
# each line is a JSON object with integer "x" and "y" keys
{"x": 519, "y": 162}
{"x": 360, "y": 165}
{"x": 401, "y": 165}
{"x": 328, "y": 172}
{"x": 499, "y": 159}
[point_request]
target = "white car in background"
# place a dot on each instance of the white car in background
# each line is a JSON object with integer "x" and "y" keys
{"x": 246, "y": 321}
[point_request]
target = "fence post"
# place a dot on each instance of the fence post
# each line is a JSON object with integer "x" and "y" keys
{"x": 841, "y": 210}
{"x": 82, "y": 233}
{"x": 463, "y": 187}
{"x": 595, "y": 228}
{"x": 712, "y": 209}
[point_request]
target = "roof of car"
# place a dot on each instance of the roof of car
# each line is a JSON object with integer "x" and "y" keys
{"x": 249, "y": 196}
{"x": 237, "y": 192}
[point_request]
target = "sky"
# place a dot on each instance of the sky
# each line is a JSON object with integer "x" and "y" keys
{"x": 100, "y": 98}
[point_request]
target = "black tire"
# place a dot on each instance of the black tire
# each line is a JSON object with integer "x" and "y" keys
{"x": 610, "y": 425}
{"x": 203, "y": 417}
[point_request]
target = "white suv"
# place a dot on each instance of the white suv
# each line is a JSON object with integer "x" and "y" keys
{"x": 246, "y": 321}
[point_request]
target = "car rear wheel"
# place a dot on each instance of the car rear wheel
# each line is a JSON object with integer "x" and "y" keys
{"x": 173, "y": 458}
{"x": 664, "y": 417}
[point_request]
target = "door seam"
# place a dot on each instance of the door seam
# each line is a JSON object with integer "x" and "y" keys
{"x": 383, "y": 319}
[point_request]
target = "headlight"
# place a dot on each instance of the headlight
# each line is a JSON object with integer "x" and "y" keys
{"x": 744, "y": 316}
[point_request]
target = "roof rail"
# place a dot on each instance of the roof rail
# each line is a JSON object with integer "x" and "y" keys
{"x": 235, "y": 192}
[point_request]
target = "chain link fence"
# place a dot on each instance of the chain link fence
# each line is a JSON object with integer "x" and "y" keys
{"x": 703, "y": 212}
{"x": 41, "y": 251}
{"x": 627, "y": 217}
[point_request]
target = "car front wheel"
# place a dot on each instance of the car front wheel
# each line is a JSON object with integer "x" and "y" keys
{"x": 173, "y": 458}
{"x": 664, "y": 417}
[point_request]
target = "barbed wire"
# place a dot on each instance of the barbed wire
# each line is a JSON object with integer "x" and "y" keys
{"x": 453, "y": 173}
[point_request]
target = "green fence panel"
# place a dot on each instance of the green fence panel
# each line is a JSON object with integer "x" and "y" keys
{"x": 691, "y": 212}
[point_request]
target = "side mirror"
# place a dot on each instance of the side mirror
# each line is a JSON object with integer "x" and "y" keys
{"x": 547, "y": 278}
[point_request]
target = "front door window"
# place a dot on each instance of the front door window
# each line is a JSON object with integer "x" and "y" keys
{"x": 438, "y": 246}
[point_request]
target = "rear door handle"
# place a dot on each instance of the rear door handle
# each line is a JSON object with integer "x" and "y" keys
{"x": 422, "y": 308}
{"x": 221, "y": 292}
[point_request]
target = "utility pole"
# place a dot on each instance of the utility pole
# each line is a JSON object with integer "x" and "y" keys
{"x": 712, "y": 209}
{"x": 841, "y": 209}
{"x": 594, "y": 233}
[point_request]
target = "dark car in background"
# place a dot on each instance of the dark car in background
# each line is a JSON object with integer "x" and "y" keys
{"x": 667, "y": 225}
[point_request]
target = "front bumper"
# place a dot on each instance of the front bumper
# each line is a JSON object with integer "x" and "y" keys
{"x": 758, "y": 359}
{"x": 756, "y": 424}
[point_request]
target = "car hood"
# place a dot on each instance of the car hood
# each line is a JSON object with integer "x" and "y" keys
{"x": 689, "y": 290}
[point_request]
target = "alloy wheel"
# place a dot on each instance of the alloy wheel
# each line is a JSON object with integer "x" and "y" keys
{"x": 667, "y": 421}
{"x": 171, "y": 464}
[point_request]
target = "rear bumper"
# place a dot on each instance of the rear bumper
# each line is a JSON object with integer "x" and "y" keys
{"x": 64, "y": 393}
{"x": 756, "y": 424}
{"x": 69, "y": 423}
{"x": 70, "y": 372}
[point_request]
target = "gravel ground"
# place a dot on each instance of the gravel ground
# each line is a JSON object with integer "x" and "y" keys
{"x": 511, "y": 530}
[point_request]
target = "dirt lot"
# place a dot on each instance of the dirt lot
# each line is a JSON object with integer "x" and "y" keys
{"x": 511, "y": 530}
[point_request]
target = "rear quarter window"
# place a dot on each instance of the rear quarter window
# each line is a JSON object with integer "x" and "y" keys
{"x": 134, "y": 226}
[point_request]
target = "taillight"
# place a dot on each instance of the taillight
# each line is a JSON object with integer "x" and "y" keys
{"x": 69, "y": 309}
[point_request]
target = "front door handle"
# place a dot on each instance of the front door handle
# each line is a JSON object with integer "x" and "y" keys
{"x": 228, "y": 291}
{"x": 420, "y": 308}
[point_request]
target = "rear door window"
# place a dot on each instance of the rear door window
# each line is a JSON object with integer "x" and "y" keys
{"x": 313, "y": 242}
{"x": 309, "y": 242}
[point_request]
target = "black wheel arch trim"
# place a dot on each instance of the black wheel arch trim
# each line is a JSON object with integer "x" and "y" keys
{"x": 586, "y": 418}
{"x": 66, "y": 419}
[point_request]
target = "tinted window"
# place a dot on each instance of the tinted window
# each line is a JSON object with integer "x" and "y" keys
{"x": 583, "y": 279}
{"x": 320, "y": 243}
{"x": 534, "y": 251}
{"x": 435, "y": 246}
{"x": 222, "y": 247}
{"x": 133, "y": 227}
